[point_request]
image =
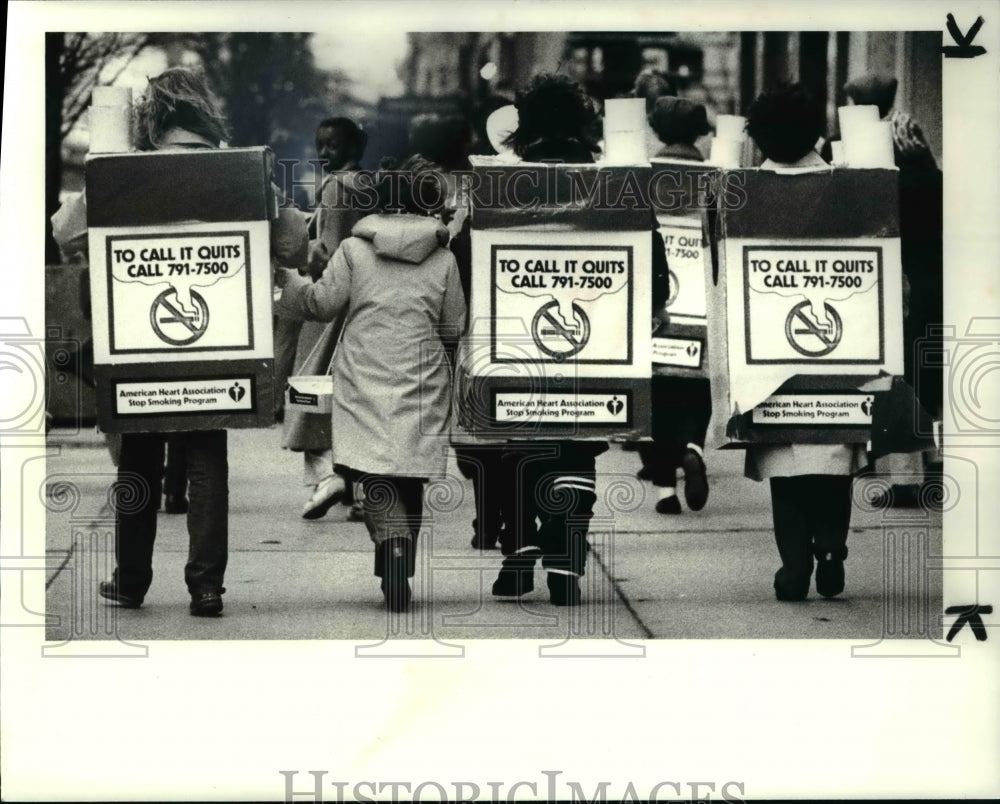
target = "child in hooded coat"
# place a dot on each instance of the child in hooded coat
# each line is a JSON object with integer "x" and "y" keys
{"x": 399, "y": 285}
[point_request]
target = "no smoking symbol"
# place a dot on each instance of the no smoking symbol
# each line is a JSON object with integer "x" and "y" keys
{"x": 811, "y": 338}
{"x": 673, "y": 288}
{"x": 175, "y": 325}
{"x": 555, "y": 338}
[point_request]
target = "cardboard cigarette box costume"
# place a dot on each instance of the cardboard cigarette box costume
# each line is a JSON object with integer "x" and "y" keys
{"x": 679, "y": 193}
{"x": 805, "y": 308}
{"x": 181, "y": 289}
{"x": 559, "y": 337}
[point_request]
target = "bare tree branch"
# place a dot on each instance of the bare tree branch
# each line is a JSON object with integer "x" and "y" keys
{"x": 85, "y": 58}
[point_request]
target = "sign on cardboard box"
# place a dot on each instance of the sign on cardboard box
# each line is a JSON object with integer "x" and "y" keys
{"x": 559, "y": 336}
{"x": 181, "y": 289}
{"x": 679, "y": 345}
{"x": 680, "y": 193}
{"x": 807, "y": 295}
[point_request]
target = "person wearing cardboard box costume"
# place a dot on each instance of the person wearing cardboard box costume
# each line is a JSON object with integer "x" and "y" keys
{"x": 921, "y": 210}
{"x": 810, "y": 483}
{"x": 556, "y": 123}
{"x": 178, "y": 111}
{"x": 399, "y": 285}
{"x": 682, "y": 406}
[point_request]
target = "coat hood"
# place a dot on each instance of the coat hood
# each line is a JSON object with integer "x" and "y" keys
{"x": 408, "y": 238}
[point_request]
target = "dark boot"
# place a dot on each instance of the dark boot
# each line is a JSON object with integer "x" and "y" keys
{"x": 832, "y": 522}
{"x": 791, "y": 585}
{"x": 517, "y": 574}
{"x": 695, "y": 480}
{"x": 792, "y": 538}
{"x": 564, "y": 589}
{"x": 394, "y": 560}
{"x": 830, "y": 576}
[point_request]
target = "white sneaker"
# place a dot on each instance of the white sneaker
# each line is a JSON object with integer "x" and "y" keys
{"x": 329, "y": 491}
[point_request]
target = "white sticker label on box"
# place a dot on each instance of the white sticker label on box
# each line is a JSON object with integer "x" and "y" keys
{"x": 562, "y": 408}
{"x": 814, "y": 409}
{"x": 183, "y": 396}
{"x": 682, "y": 352}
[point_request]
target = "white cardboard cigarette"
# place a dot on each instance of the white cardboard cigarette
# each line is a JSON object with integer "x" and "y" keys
{"x": 730, "y": 126}
{"x": 870, "y": 146}
{"x": 110, "y": 129}
{"x": 850, "y": 115}
{"x": 726, "y": 152}
{"x": 624, "y": 114}
{"x": 111, "y": 96}
{"x": 625, "y": 148}
{"x": 852, "y": 120}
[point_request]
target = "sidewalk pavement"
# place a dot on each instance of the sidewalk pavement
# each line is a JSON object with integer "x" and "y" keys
{"x": 697, "y": 575}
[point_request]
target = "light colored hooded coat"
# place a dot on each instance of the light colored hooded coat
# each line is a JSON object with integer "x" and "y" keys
{"x": 398, "y": 286}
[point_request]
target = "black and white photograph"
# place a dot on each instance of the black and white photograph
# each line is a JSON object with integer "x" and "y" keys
{"x": 375, "y": 371}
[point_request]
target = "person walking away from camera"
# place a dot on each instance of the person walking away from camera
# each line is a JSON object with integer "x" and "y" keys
{"x": 398, "y": 287}
{"x": 651, "y": 85}
{"x": 682, "y": 406}
{"x": 810, "y": 483}
{"x": 921, "y": 227}
{"x": 477, "y": 460}
{"x": 180, "y": 112}
{"x": 340, "y": 144}
{"x": 550, "y": 485}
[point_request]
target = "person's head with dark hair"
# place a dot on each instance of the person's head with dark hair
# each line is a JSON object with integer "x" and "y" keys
{"x": 416, "y": 186}
{"x": 556, "y": 121}
{"x": 340, "y": 143}
{"x": 873, "y": 90}
{"x": 785, "y": 122}
{"x": 443, "y": 140}
{"x": 678, "y": 122}
{"x": 652, "y": 84}
{"x": 179, "y": 109}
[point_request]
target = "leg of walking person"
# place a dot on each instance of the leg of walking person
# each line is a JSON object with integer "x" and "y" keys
{"x": 660, "y": 465}
{"x": 329, "y": 487}
{"x": 479, "y": 464}
{"x": 175, "y": 477}
{"x": 830, "y": 513}
{"x": 693, "y": 410}
{"x": 208, "y": 519}
{"x": 139, "y": 485}
{"x": 519, "y": 469}
{"x": 566, "y": 506}
{"x": 661, "y": 457}
{"x": 790, "y": 502}
{"x": 393, "y": 508}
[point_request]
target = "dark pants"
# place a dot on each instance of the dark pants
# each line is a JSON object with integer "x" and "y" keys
{"x": 394, "y": 509}
{"x": 812, "y": 515}
{"x": 682, "y": 408}
{"x": 175, "y": 472}
{"x": 480, "y": 463}
{"x": 208, "y": 511}
{"x": 553, "y": 484}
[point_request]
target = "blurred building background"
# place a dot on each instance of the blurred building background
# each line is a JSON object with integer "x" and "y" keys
{"x": 723, "y": 70}
{"x": 277, "y": 87}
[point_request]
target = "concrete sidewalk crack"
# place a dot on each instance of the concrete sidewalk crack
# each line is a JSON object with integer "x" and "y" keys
{"x": 105, "y": 509}
{"x": 621, "y": 595}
